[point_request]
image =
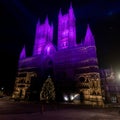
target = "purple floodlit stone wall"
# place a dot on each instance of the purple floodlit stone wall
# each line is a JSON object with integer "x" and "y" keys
{"x": 89, "y": 38}
{"x": 70, "y": 58}
{"x": 66, "y": 30}
{"x": 44, "y": 35}
{"x": 79, "y": 59}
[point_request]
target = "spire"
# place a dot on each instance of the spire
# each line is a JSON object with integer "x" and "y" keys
{"x": 59, "y": 16}
{"x": 60, "y": 13}
{"x": 38, "y": 22}
{"x": 71, "y": 5}
{"x": 71, "y": 12}
{"x": 23, "y": 53}
{"x": 46, "y": 20}
{"x": 89, "y": 38}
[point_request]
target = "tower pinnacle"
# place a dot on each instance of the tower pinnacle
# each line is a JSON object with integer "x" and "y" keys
{"x": 71, "y": 12}
{"x": 23, "y": 53}
{"x": 89, "y": 38}
{"x": 46, "y": 20}
{"x": 38, "y": 22}
{"x": 60, "y": 12}
{"x": 70, "y": 5}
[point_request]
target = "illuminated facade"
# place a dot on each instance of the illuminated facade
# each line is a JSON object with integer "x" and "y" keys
{"x": 69, "y": 62}
{"x": 22, "y": 84}
{"x": 110, "y": 85}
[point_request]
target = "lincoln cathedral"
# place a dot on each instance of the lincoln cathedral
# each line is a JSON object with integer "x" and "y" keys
{"x": 72, "y": 67}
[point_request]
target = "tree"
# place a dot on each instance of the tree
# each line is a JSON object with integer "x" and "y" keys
{"x": 48, "y": 91}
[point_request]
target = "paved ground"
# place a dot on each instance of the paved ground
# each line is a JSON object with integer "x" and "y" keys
{"x": 10, "y": 110}
{"x": 63, "y": 115}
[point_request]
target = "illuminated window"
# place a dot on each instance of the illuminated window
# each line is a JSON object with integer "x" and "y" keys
{"x": 65, "y": 33}
{"x": 48, "y": 50}
{"x": 65, "y": 44}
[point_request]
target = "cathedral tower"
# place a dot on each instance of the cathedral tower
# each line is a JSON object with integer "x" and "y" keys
{"x": 89, "y": 78}
{"x": 89, "y": 43}
{"x": 66, "y": 29}
{"x": 44, "y": 34}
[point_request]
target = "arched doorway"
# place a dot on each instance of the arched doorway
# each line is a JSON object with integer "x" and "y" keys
{"x": 81, "y": 97}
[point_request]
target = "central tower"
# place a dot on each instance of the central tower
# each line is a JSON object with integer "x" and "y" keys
{"x": 66, "y": 29}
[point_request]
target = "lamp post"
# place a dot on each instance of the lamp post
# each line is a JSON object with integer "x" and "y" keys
{"x": 119, "y": 76}
{"x": 2, "y": 88}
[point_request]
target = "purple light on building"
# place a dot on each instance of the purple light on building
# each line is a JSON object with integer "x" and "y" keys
{"x": 23, "y": 53}
{"x": 66, "y": 40}
{"x": 89, "y": 38}
{"x": 66, "y": 29}
{"x": 68, "y": 64}
{"x": 44, "y": 34}
{"x": 49, "y": 49}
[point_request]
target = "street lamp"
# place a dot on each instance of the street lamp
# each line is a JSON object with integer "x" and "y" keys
{"x": 2, "y": 88}
{"x": 119, "y": 76}
{"x": 66, "y": 98}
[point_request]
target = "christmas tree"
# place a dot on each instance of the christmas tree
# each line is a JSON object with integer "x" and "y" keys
{"x": 48, "y": 91}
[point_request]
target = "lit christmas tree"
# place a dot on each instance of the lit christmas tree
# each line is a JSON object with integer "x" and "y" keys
{"x": 48, "y": 91}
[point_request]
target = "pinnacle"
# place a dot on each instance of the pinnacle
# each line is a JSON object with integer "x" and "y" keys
{"x": 46, "y": 20}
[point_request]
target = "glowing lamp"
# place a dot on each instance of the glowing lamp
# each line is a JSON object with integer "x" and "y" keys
{"x": 66, "y": 98}
{"x": 119, "y": 76}
{"x": 71, "y": 97}
{"x": 2, "y": 88}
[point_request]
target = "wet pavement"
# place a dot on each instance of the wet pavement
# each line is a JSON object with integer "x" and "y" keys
{"x": 10, "y": 110}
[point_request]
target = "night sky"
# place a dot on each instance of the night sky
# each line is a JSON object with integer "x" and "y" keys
{"x": 17, "y": 27}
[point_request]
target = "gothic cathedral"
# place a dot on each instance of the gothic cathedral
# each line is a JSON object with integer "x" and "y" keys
{"x": 73, "y": 67}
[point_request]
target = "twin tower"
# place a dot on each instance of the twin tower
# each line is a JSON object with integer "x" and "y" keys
{"x": 66, "y": 34}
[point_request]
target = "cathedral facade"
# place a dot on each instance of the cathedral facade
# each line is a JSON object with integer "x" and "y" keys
{"x": 73, "y": 67}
